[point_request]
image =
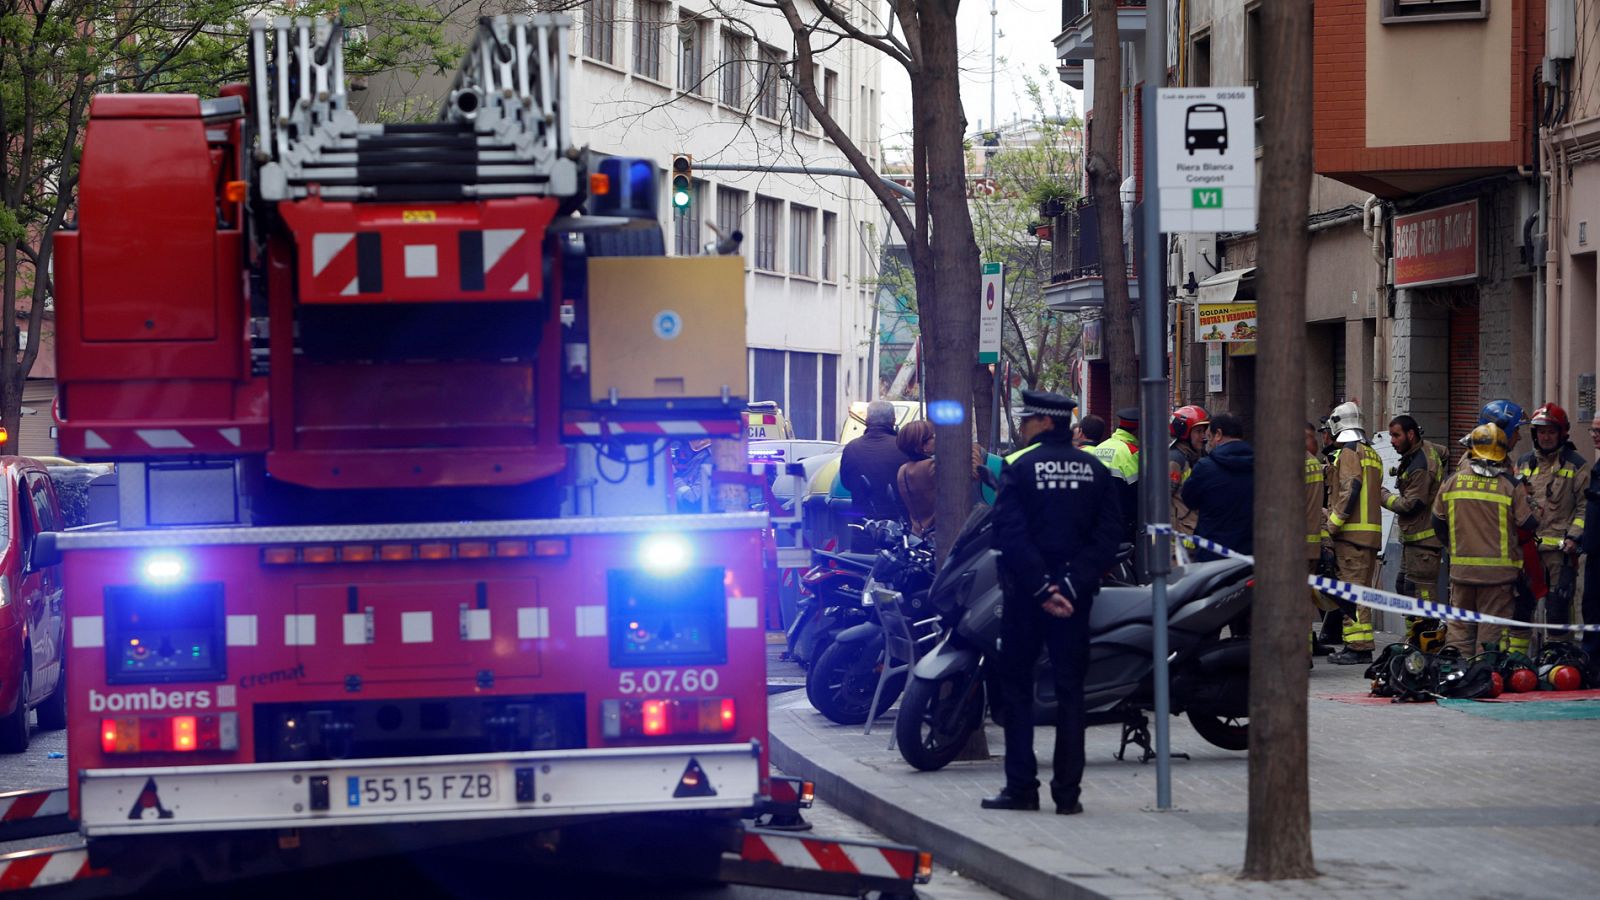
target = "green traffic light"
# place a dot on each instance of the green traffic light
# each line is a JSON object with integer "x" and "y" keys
{"x": 680, "y": 192}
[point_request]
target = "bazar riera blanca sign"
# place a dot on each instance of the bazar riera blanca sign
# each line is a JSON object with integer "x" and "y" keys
{"x": 1436, "y": 246}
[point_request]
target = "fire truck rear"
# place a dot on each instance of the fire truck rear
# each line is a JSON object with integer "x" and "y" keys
{"x": 399, "y": 561}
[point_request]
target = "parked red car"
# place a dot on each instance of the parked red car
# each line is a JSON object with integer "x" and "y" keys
{"x": 32, "y": 630}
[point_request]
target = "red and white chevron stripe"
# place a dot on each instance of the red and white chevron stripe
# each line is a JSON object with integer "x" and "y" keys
{"x": 101, "y": 439}
{"x": 38, "y": 868}
{"x": 19, "y": 806}
{"x": 824, "y": 855}
{"x": 677, "y": 428}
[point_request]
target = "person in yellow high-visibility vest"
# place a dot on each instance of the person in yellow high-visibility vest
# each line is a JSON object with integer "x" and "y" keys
{"x": 1478, "y": 512}
{"x": 1355, "y": 523}
{"x": 1120, "y": 454}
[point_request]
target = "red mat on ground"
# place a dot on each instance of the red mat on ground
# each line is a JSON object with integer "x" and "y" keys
{"x": 1366, "y": 699}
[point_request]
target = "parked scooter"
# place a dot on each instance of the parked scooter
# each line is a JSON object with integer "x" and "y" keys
{"x": 949, "y": 689}
{"x": 830, "y": 601}
{"x": 842, "y": 682}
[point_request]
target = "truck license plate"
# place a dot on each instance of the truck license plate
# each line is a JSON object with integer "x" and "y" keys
{"x": 468, "y": 787}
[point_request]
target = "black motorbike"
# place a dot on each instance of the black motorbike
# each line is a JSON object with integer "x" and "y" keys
{"x": 842, "y": 682}
{"x": 830, "y": 601}
{"x": 950, "y": 687}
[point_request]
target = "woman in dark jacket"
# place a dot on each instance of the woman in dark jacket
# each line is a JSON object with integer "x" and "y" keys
{"x": 1223, "y": 488}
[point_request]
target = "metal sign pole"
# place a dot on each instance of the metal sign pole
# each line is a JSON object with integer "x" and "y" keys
{"x": 1153, "y": 384}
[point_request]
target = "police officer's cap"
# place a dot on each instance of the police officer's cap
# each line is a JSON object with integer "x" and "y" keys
{"x": 1045, "y": 403}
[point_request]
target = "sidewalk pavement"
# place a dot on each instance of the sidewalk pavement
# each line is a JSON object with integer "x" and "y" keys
{"x": 1415, "y": 799}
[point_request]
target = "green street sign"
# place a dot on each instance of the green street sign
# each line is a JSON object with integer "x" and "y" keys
{"x": 991, "y": 268}
{"x": 1208, "y": 198}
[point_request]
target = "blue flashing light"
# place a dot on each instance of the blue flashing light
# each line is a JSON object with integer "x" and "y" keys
{"x": 947, "y": 412}
{"x": 633, "y": 188}
{"x": 665, "y": 554}
{"x": 164, "y": 568}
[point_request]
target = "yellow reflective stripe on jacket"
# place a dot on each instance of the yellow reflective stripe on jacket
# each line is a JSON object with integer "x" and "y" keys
{"x": 1566, "y": 473}
{"x": 1486, "y": 496}
{"x": 1456, "y": 558}
{"x": 1551, "y": 542}
{"x": 1419, "y": 536}
{"x": 1360, "y": 526}
{"x": 1313, "y": 472}
{"x": 1014, "y": 455}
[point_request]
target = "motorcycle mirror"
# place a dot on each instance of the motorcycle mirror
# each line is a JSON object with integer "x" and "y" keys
{"x": 987, "y": 476}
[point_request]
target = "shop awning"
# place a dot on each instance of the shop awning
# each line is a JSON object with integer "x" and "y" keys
{"x": 1233, "y": 286}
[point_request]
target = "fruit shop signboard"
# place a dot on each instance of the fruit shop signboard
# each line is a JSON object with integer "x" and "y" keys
{"x": 1227, "y": 323}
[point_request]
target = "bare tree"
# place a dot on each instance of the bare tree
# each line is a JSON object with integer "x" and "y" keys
{"x": 1105, "y": 188}
{"x": 1279, "y": 841}
{"x": 920, "y": 37}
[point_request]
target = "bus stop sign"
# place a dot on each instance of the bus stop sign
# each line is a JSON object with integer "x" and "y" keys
{"x": 1206, "y": 141}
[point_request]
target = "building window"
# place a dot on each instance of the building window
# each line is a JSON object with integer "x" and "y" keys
{"x": 686, "y": 222}
{"x": 1200, "y": 62}
{"x": 600, "y": 30}
{"x": 769, "y": 68}
{"x": 735, "y": 50}
{"x": 692, "y": 32}
{"x": 730, "y": 210}
{"x": 801, "y": 220}
{"x": 1252, "y": 47}
{"x": 830, "y": 93}
{"x": 798, "y": 110}
{"x": 647, "y": 38}
{"x": 770, "y": 372}
{"x": 830, "y": 227}
{"x": 1403, "y": 11}
{"x": 803, "y": 395}
{"x": 830, "y": 397}
{"x": 767, "y": 233}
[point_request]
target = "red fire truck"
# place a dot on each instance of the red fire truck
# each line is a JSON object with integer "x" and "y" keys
{"x": 397, "y": 562}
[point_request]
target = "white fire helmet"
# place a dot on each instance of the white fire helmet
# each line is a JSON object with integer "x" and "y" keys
{"x": 1345, "y": 422}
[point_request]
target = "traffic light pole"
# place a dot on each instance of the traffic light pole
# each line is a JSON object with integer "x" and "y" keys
{"x": 900, "y": 189}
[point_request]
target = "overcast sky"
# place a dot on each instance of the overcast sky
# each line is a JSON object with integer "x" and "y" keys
{"x": 1026, "y": 29}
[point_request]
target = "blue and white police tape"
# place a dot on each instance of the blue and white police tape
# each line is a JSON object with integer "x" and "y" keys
{"x": 1373, "y": 597}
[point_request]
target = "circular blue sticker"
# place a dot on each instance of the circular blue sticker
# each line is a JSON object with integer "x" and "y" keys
{"x": 668, "y": 324}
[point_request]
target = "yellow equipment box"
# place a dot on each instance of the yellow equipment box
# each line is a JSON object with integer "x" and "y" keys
{"x": 666, "y": 328}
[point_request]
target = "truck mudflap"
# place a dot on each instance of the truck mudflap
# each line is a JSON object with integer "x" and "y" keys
{"x": 47, "y": 867}
{"x": 530, "y": 785}
{"x": 30, "y": 813}
{"x": 826, "y": 866}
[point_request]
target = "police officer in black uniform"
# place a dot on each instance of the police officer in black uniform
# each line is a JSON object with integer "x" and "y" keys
{"x": 1057, "y": 522}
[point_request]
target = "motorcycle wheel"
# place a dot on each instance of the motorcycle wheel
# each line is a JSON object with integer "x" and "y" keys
{"x": 936, "y": 719}
{"x": 1227, "y": 732}
{"x": 841, "y": 683}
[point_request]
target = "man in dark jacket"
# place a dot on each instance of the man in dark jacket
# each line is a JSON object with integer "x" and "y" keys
{"x": 869, "y": 464}
{"x": 1223, "y": 488}
{"x": 1057, "y": 522}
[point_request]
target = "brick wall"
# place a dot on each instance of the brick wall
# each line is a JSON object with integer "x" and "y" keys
{"x": 1419, "y": 361}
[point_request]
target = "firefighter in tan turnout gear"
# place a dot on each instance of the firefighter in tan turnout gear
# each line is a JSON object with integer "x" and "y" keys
{"x": 1557, "y": 479}
{"x": 1477, "y": 513}
{"x": 1417, "y": 480}
{"x": 1355, "y": 522}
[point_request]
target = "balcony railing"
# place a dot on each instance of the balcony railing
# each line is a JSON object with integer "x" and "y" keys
{"x": 1076, "y": 40}
{"x": 1075, "y": 280}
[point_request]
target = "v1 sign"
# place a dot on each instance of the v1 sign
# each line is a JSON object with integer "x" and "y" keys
{"x": 1206, "y": 138}
{"x": 991, "y": 308}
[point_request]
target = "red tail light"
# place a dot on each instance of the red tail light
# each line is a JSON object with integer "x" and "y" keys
{"x": 663, "y": 717}
{"x": 170, "y": 734}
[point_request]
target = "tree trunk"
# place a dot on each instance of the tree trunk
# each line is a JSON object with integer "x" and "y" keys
{"x": 1279, "y": 841}
{"x": 1105, "y": 186}
{"x": 952, "y": 346}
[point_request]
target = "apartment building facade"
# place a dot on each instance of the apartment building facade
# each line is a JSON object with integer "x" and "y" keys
{"x": 1431, "y": 108}
{"x": 1218, "y": 43}
{"x": 656, "y": 78}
